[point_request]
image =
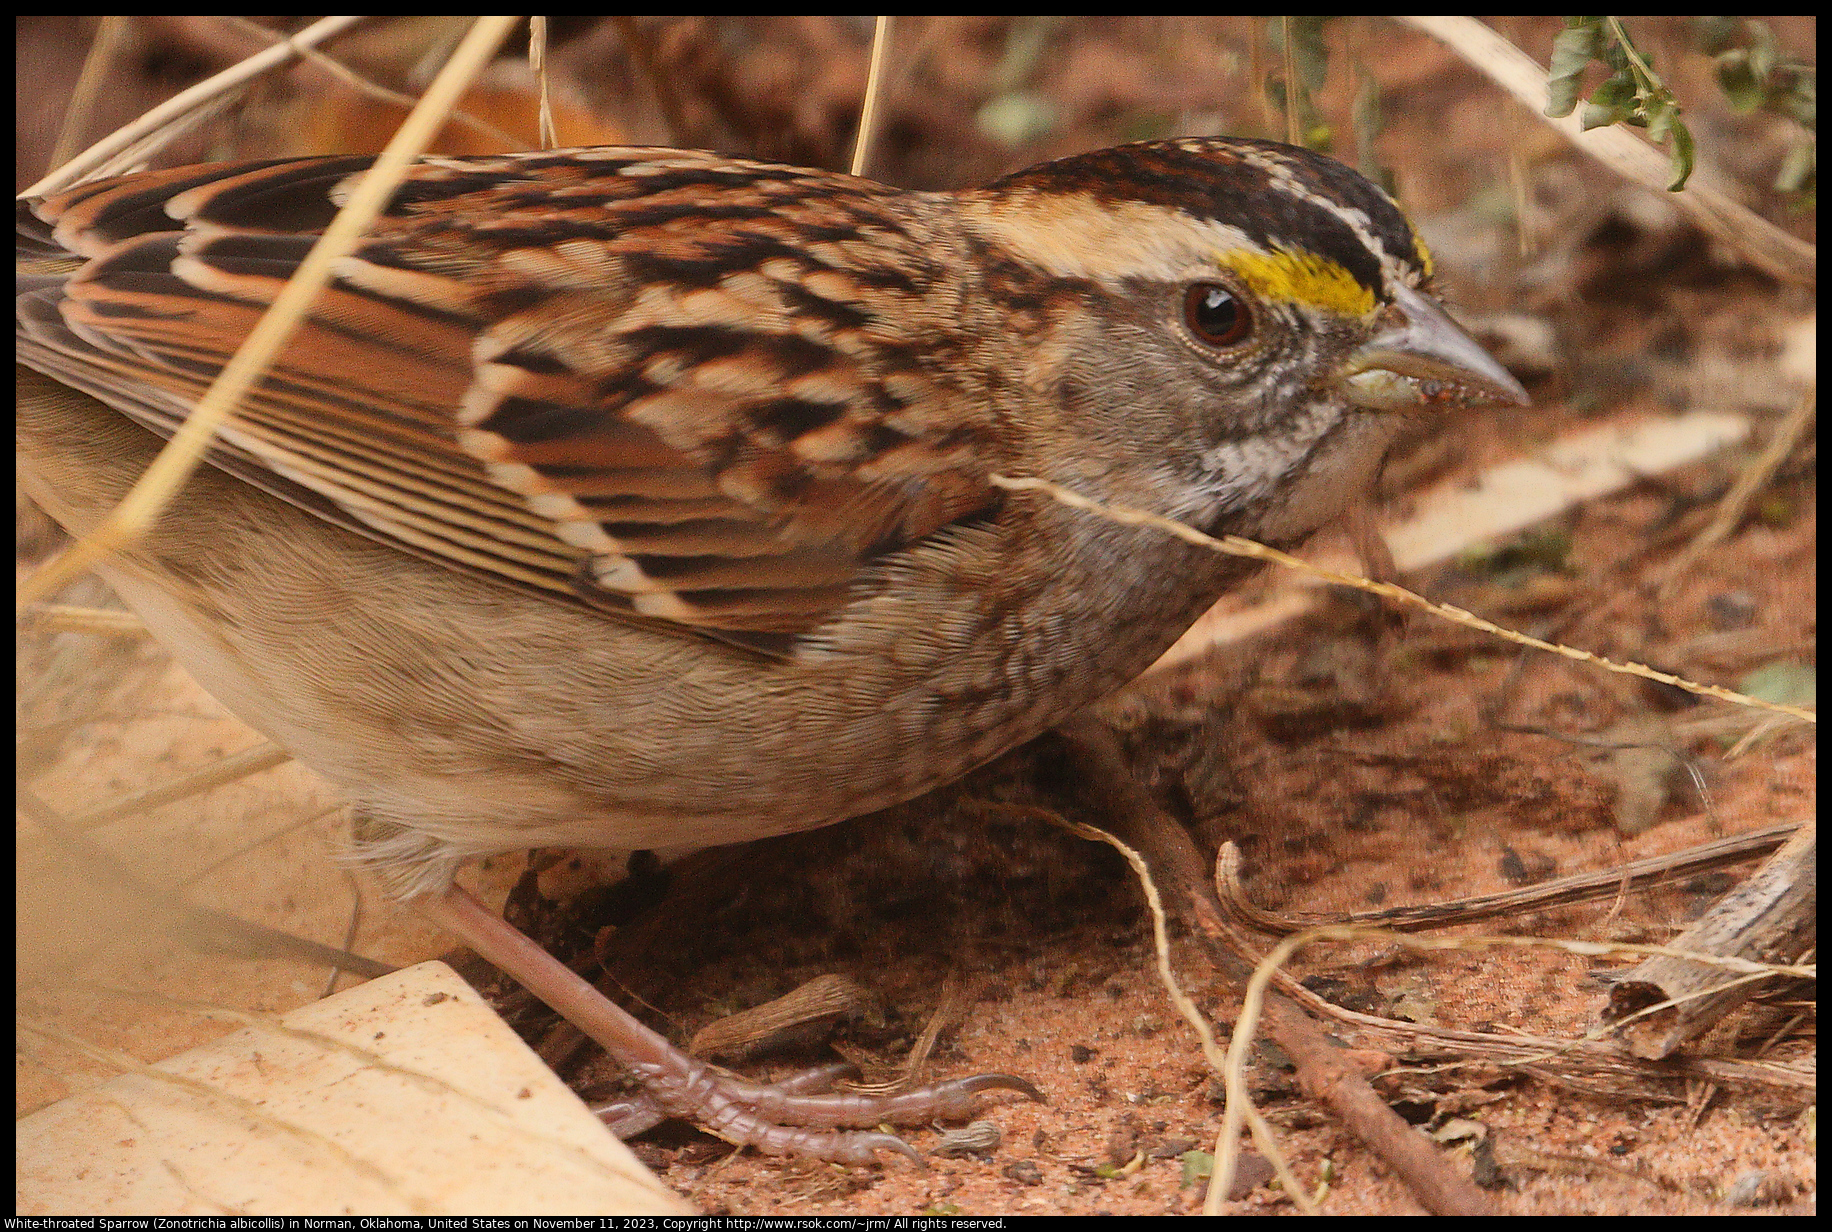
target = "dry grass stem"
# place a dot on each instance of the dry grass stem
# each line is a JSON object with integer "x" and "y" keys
{"x": 374, "y": 89}
{"x": 263, "y": 756}
{"x": 1735, "y": 505}
{"x": 1234, "y": 545}
{"x": 1662, "y": 1003}
{"x": 537, "y": 63}
{"x": 65, "y": 618}
{"x": 1227, "y": 1148}
{"x": 103, "y": 157}
{"x": 874, "y": 85}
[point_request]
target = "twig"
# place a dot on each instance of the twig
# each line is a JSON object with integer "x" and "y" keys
{"x": 1765, "y": 245}
{"x": 1221, "y": 1177}
{"x": 1564, "y": 892}
{"x": 1672, "y": 1000}
{"x": 1735, "y": 505}
{"x": 1324, "y": 1074}
{"x": 825, "y": 998}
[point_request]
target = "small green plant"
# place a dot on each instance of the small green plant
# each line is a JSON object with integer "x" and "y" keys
{"x": 1755, "y": 76}
{"x": 1292, "y": 88}
{"x": 1631, "y": 94}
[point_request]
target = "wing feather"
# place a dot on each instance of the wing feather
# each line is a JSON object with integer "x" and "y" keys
{"x": 655, "y": 381}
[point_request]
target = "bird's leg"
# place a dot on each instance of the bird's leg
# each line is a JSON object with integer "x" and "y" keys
{"x": 636, "y": 1112}
{"x": 775, "y": 1120}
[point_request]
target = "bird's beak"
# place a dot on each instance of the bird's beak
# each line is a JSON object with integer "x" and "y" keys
{"x": 1422, "y": 360}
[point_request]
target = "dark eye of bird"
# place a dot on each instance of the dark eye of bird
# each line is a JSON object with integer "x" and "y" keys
{"x": 1216, "y": 315}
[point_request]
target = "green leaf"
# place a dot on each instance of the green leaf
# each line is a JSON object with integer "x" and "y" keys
{"x": 1197, "y": 1166}
{"x": 1309, "y": 52}
{"x": 1598, "y": 115}
{"x": 1798, "y": 168}
{"x": 1572, "y": 51}
{"x": 1616, "y": 91}
{"x": 1738, "y": 81}
{"x": 1681, "y": 158}
{"x": 1762, "y": 51}
{"x": 1661, "y": 117}
{"x": 1797, "y": 97}
{"x": 1715, "y": 35}
{"x": 1018, "y": 117}
{"x": 1788, "y": 683}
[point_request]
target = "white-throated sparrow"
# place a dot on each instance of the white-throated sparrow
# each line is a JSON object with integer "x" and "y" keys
{"x": 640, "y": 497}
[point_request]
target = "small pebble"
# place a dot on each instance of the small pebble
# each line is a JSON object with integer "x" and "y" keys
{"x": 1025, "y": 1172}
{"x": 1755, "y": 1188}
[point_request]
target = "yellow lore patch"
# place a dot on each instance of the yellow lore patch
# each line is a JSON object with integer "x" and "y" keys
{"x": 1418, "y": 242}
{"x": 1299, "y": 277}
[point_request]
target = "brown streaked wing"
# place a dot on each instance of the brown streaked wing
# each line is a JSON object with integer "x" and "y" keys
{"x": 661, "y": 381}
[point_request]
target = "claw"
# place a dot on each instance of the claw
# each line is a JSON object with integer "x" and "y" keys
{"x": 956, "y": 1097}
{"x": 1000, "y": 1082}
{"x": 873, "y": 1143}
{"x": 819, "y": 1080}
{"x": 629, "y": 1115}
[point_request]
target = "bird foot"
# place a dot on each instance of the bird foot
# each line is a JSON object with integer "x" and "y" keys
{"x": 793, "y": 1118}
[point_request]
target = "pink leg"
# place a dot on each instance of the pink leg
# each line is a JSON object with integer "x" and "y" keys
{"x": 635, "y": 1112}
{"x": 775, "y": 1121}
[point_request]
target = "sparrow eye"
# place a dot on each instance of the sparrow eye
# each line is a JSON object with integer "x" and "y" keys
{"x": 1216, "y": 315}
